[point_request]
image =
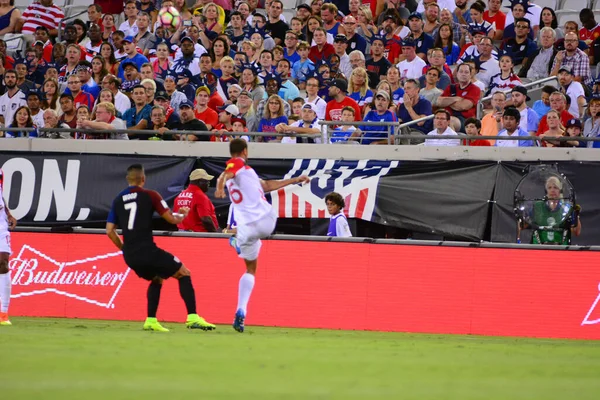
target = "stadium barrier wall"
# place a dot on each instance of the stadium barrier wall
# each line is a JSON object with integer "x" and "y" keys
{"x": 314, "y": 284}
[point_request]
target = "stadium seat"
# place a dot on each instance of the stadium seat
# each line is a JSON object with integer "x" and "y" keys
{"x": 289, "y": 4}
{"x": 573, "y": 4}
{"x": 553, "y": 4}
{"x": 567, "y": 15}
{"x": 289, "y": 14}
{"x": 14, "y": 43}
{"x": 596, "y": 5}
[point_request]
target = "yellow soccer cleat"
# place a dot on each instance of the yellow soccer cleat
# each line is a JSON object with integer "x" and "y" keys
{"x": 4, "y": 320}
{"x": 194, "y": 321}
{"x": 152, "y": 324}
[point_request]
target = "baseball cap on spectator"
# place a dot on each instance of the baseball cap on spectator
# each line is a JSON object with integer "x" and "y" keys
{"x": 162, "y": 95}
{"x": 235, "y": 86}
{"x": 185, "y": 73}
{"x": 129, "y": 39}
{"x": 203, "y": 89}
{"x": 200, "y": 174}
{"x": 186, "y": 103}
{"x": 383, "y": 93}
{"x": 415, "y": 15}
{"x": 187, "y": 38}
{"x": 388, "y": 16}
{"x": 240, "y": 120}
{"x": 309, "y": 106}
{"x": 573, "y": 122}
{"x": 408, "y": 42}
{"x": 522, "y": 90}
{"x": 340, "y": 84}
{"x": 35, "y": 92}
{"x": 38, "y": 42}
{"x": 305, "y": 6}
{"x": 566, "y": 68}
{"x": 128, "y": 63}
{"x": 231, "y": 109}
{"x": 171, "y": 75}
{"x": 340, "y": 37}
{"x": 245, "y": 93}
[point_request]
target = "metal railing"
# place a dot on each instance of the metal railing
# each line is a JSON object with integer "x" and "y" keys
{"x": 539, "y": 83}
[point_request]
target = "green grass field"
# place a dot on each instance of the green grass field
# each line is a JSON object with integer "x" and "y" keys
{"x": 84, "y": 359}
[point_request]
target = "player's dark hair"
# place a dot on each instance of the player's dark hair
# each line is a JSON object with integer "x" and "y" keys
{"x": 134, "y": 173}
{"x": 135, "y": 167}
{"x": 336, "y": 199}
{"x": 237, "y": 146}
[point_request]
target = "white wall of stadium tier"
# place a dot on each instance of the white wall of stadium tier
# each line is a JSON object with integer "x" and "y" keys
{"x": 275, "y": 150}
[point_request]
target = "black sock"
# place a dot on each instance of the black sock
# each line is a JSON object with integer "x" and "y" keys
{"x": 186, "y": 290}
{"x": 153, "y": 298}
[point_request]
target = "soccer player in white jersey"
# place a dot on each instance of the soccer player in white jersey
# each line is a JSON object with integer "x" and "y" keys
{"x": 7, "y": 221}
{"x": 254, "y": 216}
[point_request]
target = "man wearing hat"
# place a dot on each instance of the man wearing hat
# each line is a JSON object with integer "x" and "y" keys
{"x": 189, "y": 122}
{"x": 510, "y": 121}
{"x": 202, "y": 111}
{"x": 340, "y": 44}
{"x": 412, "y": 66}
{"x": 307, "y": 124}
{"x": 423, "y": 41}
{"x": 244, "y": 103}
{"x": 131, "y": 76}
{"x": 573, "y": 129}
{"x": 188, "y": 60}
{"x": 163, "y": 100}
{"x": 529, "y": 118}
{"x": 337, "y": 91}
{"x": 381, "y": 113}
{"x": 393, "y": 49}
{"x": 201, "y": 217}
{"x": 377, "y": 63}
{"x": 184, "y": 84}
{"x": 573, "y": 89}
{"x": 88, "y": 84}
{"x": 355, "y": 41}
{"x": 131, "y": 54}
{"x": 34, "y": 101}
{"x": 224, "y": 126}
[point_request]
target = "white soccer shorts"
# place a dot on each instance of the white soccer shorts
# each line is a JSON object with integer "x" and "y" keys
{"x": 5, "y": 243}
{"x": 249, "y": 235}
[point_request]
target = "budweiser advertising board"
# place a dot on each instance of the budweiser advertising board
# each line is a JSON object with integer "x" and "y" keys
{"x": 538, "y": 293}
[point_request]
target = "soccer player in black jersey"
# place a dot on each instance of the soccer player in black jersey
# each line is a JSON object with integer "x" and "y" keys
{"x": 132, "y": 211}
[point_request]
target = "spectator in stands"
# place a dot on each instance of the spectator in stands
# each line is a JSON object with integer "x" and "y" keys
{"x": 558, "y": 102}
{"x": 94, "y": 12}
{"x": 574, "y": 58}
{"x": 51, "y": 121}
{"x": 9, "y": 17}
{"x": 495, "y": 16}
{"x": 529, "y": 119}
{"x": 542, "y": 106}
{"x": 149, "y": 7}
{"x": 202, "y": 111}
{"x": 92, "y": 47}
{"x": 590, "y": 30}
{"x": 172, "y": 119}
{"x": 460, "y": 99}
{"x": 308, "y": 124}
{"x": 422, "y": 41}
{"x": 22, "y": 82}
{"x": 359, "y": 87}
{"x": 436, "y": 59}
{"x": 377, "y": 63}
{"x": 510, "y": 121}
{"x": 381, "y": 113}
{"x": 122, "y": 102}
{"x": 158, "y": 123}
{"x": 414, "y": 106}
{"x": 337, "y": 91}
{"x": 521, "y": 46}
{"x": 246, "y": 107}
{"x": 473, "y": 128}
{"x": 506, "y": 79}
{"x": 84, "y": 73}
{"x": 137, "y": 117}
{"x": 573, "y": 130}
{"x": 548, "y": 20}
{"x": 275, "y": 25}
{"x": 462, "y": 13}
{"x": 42, "y": 35}
{"x": 131, "y": 55}
{"x": 273, "y": 115}
{"x": 312, "y": 88}
{"x": 520, "y": 9}
{"x": 572, "y": 89}
{"x": 432, "y": 20}
{"x": 288, "y": 90}
{"x": 591, "y": 127}
{"x": 34, "y": 100}
{"x": 40, "y": 13}
{"x": 321, "y": 49}
{"x": 150, "y": 87}
{"x": 129, "y": 26}
{"x": 441, "y": 123}
{"x": 131, "y": 76}
{"x": 429, "y": 90}
{"x": 50, "y": 93}
{"x": 34, "y": 66}
{"x": 107, "y": 53}
{"x": 393, "y": 78}
{"x": 190, "y": 123}
{"x": 106, "y": 121}
{"x": 444, "y": 40}
{"x": 99, "y": 70}
{"x": 13, "y": 98}
{"x": 22, "y": 120}
{"x": 340, "y": 43}
{"x": 555, "y": 129}
{"x": 355, "y": 41}
{"x": 144, "y": 38}
{"x": 177, "y": 97}
{"x": 491, "y": 123}
{"x": 538, "y": 65}
{"x": 357, "y": 60}
{"x": 108, "y": 27}
{"x": 411, "y": 66}
{"x": 81, "y": 29}
{"x": 67, "y": 106}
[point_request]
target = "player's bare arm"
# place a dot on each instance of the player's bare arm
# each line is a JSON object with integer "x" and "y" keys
{"x": 224, "y": 177}
{"x": 269, "y": 186}
{"x": 175, "y": 218}
{"x": 12, "y": 221}
{"x": 111, "y": 232}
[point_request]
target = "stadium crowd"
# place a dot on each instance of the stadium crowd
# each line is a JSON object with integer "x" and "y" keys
{"x": 233, "y": 67}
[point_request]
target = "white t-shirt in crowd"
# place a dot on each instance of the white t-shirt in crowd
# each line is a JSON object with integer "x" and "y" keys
{"x": 442, "y": 142}
{"x": 574, "y": 91}
{"x": 411, "y": 69}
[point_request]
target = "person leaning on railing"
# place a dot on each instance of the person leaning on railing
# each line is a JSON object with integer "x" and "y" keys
{"x": 51, "y": 121}
{"x": 105, "y": 121}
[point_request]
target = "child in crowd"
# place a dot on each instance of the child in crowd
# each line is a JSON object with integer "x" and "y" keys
{"x": 473, "y": 128}
{"x": 302, "y": 67}
{"x": 343, "y": 132}
{"x": 297, "y": 104}
{"x": 338, "y": 224}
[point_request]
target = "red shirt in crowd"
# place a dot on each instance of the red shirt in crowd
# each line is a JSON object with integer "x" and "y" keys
{"x": 393, "y": 49}
{"x": 200, "y": 206}
{"x": 208, "y": 116}
{"x": 315, "y": 55}
{"x": 333, "y": 111}
{"x": 499, "y": 19}
{"x": 565, "y": 116}
{"x": 589, "y": 34}
{"x": 471, "y": 92}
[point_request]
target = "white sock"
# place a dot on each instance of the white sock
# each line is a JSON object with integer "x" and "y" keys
{"x": 5, "y": 285}
{"x": 245, "y": 290}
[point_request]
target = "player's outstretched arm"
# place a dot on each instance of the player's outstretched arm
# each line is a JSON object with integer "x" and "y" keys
{"x": 175, "y": 218}
{"x": 269, "y": 186}
{"x": 111, "y": 231}
{"x": 224, "y": 177}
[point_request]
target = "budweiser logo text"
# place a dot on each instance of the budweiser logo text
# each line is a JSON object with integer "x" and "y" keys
{"x": 78, "y": 279}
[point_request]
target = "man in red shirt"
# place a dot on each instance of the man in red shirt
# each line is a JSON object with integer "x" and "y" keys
{"x": 202, "y": 110}
{"x": 461, "y": 98}
{"x": 494, "y": 15}
{"x": 201, "y": 217}
{"x": 337, "y": 91}
{"x": 322, "y": 49}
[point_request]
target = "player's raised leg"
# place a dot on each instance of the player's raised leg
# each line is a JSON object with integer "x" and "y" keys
{"x": 188, "y": 294}
{"x": 5, "y": 288}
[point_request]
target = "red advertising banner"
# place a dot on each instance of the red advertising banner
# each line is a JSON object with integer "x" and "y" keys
{"x": 507, "y": 292}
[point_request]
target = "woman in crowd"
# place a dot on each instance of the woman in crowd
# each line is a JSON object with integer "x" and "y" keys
{"x": 393, "y": 78}
{"x": 219, "y": 49}
{"x": 506, "y": 80}
{"x": 162, "y": 62}
{"x": 99, "y": 70}
{"x": 591, "y": 128}
{"x": 445, "y": 41}
{"x": 22, "y": 120}
{"x": 150, "y": 87}
{"x": 211, "y": 13}
{"x": 316, "y": 5}
{"x": 81, "y": 29}
{"x": 354, "y": 5}
{"x": 249, "y": 49}
{"x": 358, "y": 86}
{"x": 313, "y": 23}
{"x": 365, "y": 28}
{"x": 272, "y": 116}
{"x": 50, "y": 89}
{"x": 108, "y": 54}
{"x": 548, "y": 18}
{"x": 108, "y": 27}
{"x": 9, "y": 16}
{"x": 83, "y": 114}
{"x": 555, "y": 129}
{"x": 250, "y": 84}
{"x": 259, "y": 45}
